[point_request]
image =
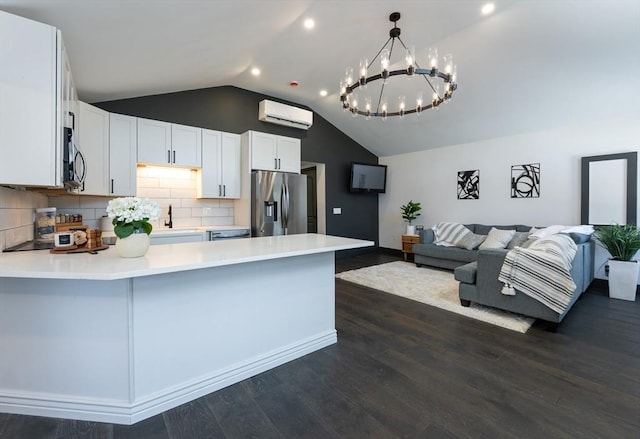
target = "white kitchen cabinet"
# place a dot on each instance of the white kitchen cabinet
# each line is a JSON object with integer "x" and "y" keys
{"x": 176, "y": 238}
{"x": 30, "y": 103}
{"x": 274, "y": 153}
{"x": 92, "y": 133}
{"x": 288, "y": 154}
{"x": 220, "y": 173}
{"x": 165, "y": 143}
{"x": 123, "y": 134}
{"x": 186, "y": 146}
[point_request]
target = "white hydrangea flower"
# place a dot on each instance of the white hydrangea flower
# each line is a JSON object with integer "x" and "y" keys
{"x": 128, "y": 210}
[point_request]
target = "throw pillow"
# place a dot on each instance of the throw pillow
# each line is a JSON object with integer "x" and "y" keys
{"x": 449, "y": 234}
{"x": 551, "y": 230}
{"x": 471, "y": 241}
{"x": 497, "y": 238}
{"x": 518, "y": 239}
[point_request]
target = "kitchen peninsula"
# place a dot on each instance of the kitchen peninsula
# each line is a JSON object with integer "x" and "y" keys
{"x": 101, "y": 338}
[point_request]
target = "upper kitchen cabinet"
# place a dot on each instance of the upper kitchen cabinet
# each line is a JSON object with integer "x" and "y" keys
{"x": 123, "y": 133}
{"x": 220, "y": 173}
{"x": 93, "y": 141}
{"x": 165, "y": 143}
{"x": 31, "y": 108}
{"x": 273, "y": 153}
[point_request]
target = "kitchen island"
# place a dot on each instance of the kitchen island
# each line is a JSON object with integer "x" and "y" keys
{"x": 101, "y": 338}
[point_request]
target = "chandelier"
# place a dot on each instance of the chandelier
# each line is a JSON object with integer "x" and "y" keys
{"x": 440, "y": 83}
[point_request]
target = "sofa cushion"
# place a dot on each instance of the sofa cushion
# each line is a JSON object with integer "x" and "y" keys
{"x": 446, "y": 253}
{"x": 518, "y": 239}
{"x": 449, "y": 234}
{"x": 497, "y": 238}
{"x": 466, "y": 273}
{"x": 471, "y": 241}
{"x": 482, "y": 229}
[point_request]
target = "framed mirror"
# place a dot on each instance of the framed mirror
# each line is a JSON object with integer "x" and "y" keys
{"x": 609, "y": 189}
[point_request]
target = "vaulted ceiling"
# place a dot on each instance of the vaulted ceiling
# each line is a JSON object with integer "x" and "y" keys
{"x": 531, "y": 65}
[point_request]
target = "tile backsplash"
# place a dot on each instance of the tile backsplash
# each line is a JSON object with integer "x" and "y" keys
{"x": 17, "y": 215}
{"x": 168, "y": 186}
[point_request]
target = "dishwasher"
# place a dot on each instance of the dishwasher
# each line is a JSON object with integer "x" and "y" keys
{"x": 224, "y": 234}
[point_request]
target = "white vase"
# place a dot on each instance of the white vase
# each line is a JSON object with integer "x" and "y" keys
{"x": 411, "y": 230}
{"x": 623, "y": 279}
{"x": 133, "y": 246}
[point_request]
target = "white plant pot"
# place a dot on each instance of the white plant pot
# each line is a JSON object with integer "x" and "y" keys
{"x": 623, "y": 279}
{"x": 411, "y": 230}
{"x": 133, "y": 246}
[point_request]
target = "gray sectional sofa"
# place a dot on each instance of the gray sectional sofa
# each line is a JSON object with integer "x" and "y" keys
{"x": 478, "y": 270}
{"x": 427, "y": 253}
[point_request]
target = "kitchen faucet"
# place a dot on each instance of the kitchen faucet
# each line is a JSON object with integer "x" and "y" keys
{"x": 170, "y": 222}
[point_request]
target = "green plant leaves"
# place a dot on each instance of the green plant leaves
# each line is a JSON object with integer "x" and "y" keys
{"x": 621, "y": 241}
{"x": 410, "y": 211}
{"x": 122, "y": 230}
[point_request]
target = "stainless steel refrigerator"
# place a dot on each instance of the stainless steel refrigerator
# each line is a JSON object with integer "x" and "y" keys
{"x": 278, "y": 203}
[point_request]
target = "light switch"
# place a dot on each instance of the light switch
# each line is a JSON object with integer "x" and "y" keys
{"x": 337, "y": 210}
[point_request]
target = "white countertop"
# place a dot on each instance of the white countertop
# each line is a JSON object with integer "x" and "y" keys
{"x": 169, "y": 258}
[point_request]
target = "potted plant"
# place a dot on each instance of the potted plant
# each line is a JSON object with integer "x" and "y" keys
{"x": 131, "y": 216}
{"x": 410, "y": 213}
{"x": 623, "y": 243}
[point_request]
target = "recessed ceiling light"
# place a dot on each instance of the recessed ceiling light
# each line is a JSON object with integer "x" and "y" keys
{"x": 488, "y": 8}
{"x": 255, "y": 71}
{"x": 309, "y": 23}
{"x": 323, "y": 93}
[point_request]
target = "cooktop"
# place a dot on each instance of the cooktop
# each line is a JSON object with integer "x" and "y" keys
{"x": 30, "y": 245}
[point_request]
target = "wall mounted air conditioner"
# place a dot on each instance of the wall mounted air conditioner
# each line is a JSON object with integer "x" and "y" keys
{"x": 287, "y": 115}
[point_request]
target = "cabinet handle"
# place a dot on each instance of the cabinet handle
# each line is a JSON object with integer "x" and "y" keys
{"x": 112, "y": 185}
{"x": 168, "y": 156}
{"x": 219, "y": 190}
{"x": 174, "y": 157}
{"x": 276, "y": 163}
{"x": 279, "y": 164}
{"x": 224, "y": 190}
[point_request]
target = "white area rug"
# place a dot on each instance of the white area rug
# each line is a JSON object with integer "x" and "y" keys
{"x": 433, "y": 287}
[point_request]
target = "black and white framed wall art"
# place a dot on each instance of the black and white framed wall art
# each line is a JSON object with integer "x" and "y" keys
{"x": 525, "y": 181}
{"x": 469, "y": 185}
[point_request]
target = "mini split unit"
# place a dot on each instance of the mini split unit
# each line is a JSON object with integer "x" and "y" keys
{"x": 281, "y": 114}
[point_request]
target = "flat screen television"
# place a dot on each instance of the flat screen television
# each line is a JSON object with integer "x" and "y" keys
{"x": 368, "y": 178}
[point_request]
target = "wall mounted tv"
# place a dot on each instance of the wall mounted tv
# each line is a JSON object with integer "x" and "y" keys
{"x": 368, "y": 178}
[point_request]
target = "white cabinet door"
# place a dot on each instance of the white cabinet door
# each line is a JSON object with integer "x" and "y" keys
{"x": 210, "y": 181}
{"x": 288, "y": 154}
{"x": 92, "y": 131}
{"x": 263, "y": 151}
{"x": 122, "y": 154}
{"x": 28, "y": 103}
{"x": 230, "y": 165}
{"x": 186, "y": 146}
{"x": 220, "y": 173}
{"x": 154, "y": 142}
{"x": 165, "y": 143}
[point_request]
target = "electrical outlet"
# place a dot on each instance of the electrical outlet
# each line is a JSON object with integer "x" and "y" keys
{"x": 337, "y": 210}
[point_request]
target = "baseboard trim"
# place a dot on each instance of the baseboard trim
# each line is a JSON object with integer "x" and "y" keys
{"x": 117, "y": 412}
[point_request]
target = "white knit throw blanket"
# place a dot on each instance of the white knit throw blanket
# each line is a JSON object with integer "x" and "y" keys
{"x": 542, "y": 271}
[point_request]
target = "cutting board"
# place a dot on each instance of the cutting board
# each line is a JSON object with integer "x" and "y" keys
{"x": 76, "y": 249}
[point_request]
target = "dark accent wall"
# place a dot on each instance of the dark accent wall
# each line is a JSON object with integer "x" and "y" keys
{"x": 235, "y": 110}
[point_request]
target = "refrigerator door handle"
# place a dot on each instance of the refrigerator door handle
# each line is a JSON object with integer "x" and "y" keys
{"x": 284, "y": 206}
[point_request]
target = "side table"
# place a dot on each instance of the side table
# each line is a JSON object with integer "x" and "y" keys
{"x": 407, "y": 246}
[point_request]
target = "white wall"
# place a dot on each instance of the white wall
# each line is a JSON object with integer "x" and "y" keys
{"x": 430, "y": 177}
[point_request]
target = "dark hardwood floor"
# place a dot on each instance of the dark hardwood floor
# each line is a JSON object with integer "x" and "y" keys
{"x": 404, "y": 369}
